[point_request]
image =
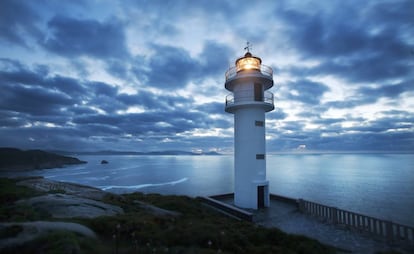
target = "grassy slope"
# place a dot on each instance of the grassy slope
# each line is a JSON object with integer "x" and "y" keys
{"x": 198, "y": 229}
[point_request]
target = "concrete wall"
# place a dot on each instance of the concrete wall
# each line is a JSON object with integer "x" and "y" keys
{"x": 250, "y": 145}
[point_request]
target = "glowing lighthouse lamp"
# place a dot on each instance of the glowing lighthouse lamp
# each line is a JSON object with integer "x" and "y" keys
{"x": 248, "y": 81}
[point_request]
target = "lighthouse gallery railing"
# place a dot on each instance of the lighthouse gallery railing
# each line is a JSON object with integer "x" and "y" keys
{"x": 265, "y": 70}
{"x": 248, "y": 96}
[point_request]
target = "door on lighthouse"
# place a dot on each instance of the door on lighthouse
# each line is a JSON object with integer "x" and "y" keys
{"x": 258, "y": 92}
{"x": 260, "y": 196}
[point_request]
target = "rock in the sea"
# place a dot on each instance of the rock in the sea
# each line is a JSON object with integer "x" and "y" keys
{"x": 104, "y": 162}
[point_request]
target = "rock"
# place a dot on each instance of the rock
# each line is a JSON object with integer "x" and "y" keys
{"x": 70, "y": 206}
{"x": 42, "y": 184}
{"x": 104, "y": 162}
{"x": 28, "y": 231}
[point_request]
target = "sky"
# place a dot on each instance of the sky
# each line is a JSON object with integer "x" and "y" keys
{"x": 149, "y": 75}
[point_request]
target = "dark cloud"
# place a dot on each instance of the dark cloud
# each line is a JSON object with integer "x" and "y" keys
{"x": 10, "y": 119}
{"x": 13, "y": 72}
{"x": 33, "y": 100}
{"x": 170, "y": 68}
{"x": 86, "y": 37}
{"x": 43, "y": 105}
{"x": 352, "y": 46}
{"x": 212, "y": 108}
{"x": 366, "y": 95}
{"x": 214, "y": 58}
{"x": 390, "y": 91}
{"x": 118, "y": 68}
{"x": 328, "y": 121}
{"x": 387, "y": 124}
{"x": 17, "y": 21}
{"x": 33, "y": 92}
{"x": 278, "y": 114}
{"x": 388, "y": 133}
{"x": 173, "y": 67}
{"x": 155, "y": 102}
{"x": 305, "y": 91}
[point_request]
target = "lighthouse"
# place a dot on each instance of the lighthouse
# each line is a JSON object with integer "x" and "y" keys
{"x": 249, "y": 100}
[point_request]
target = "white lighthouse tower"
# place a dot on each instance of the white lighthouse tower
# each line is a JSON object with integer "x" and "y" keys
{"x": 248, "y": 81}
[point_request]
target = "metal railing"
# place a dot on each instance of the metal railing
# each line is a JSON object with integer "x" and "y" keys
{"x": 248, "y": 96}
{"x": 264, "y": 69}
{"x": 389, "y": 230}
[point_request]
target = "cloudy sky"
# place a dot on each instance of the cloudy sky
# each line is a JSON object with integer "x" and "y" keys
{"x": 149, "y": 75}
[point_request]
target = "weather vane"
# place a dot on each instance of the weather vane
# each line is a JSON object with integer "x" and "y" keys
{"x": 248, "y": 47}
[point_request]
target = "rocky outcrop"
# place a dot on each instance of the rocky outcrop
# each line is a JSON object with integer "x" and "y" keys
{"x": 70, "y": 200}
{"x": 46, "y": 185}
{"x": 15, "y": 159}
{"x": 70, "y": 206}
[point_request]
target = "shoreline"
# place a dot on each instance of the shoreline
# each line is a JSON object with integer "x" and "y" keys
{"x": 156, "y": 222}
{"x": 292, "y": 222}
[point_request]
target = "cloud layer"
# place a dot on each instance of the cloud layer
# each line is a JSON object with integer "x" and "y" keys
{"x": 150, "y": 76}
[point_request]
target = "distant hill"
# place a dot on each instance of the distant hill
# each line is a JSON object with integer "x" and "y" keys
{"x": 109, "y": 152}
{"x": 16, "y": 159}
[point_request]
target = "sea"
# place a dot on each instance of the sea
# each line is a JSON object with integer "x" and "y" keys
{"x": 378, "y": 185}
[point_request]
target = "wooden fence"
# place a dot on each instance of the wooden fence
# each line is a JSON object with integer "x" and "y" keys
{"x": 389, "y": 230}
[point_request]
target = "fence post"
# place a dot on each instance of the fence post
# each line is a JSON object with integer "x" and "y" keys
{"x": 301, "y": 205}
{"x": 334, "y": 215}
{"x": 389, "y": 231}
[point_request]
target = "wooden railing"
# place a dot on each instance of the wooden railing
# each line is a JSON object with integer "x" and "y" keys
{"x": 392, "y": 232}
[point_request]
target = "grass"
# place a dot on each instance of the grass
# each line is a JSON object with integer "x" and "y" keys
{"x": 12, "y": 211}
{"x": 58, "y": 242}
{"x": 197, "y": 229}
{"x": 10, "y": 192}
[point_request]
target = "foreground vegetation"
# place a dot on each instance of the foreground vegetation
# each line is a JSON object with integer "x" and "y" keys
{"x": 194, "y": 228}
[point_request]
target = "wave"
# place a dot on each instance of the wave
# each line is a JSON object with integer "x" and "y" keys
{"x": 140, "y": 186}
{"x": 68, "y": 174}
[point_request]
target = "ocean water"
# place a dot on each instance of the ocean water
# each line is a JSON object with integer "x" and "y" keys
{"x": 379, "y": 185}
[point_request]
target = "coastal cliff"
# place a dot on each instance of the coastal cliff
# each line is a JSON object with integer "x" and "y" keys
{"x": 16, "y": 159}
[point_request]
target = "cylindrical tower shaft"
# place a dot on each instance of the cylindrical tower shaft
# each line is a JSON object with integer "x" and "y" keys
{"x": 249, "y": 156}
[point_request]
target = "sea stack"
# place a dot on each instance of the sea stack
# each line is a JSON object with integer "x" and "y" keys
{"x": 248, "y": 82}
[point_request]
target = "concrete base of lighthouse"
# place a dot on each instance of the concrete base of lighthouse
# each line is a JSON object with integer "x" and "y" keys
{"x": 254, "y": 196}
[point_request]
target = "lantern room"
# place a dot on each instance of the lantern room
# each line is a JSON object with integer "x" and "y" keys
{"x": 248, "y": 62}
